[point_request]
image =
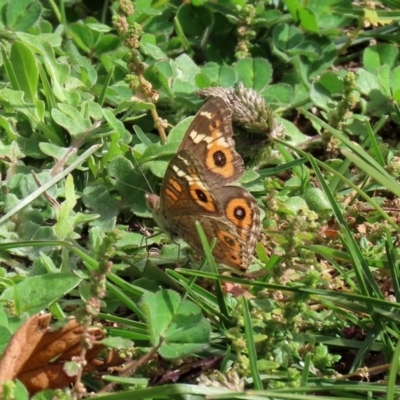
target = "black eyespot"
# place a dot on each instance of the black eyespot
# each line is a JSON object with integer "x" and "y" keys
{"x": 240, "y": 213}
{"x": 219, "y": 158}
{"x": 229, "y": 241}
{"x": 201, "y": 195}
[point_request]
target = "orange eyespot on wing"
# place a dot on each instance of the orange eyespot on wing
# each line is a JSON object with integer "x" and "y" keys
{"x": 202, "y": 197}
{"x": 230, "y": 249}
{"x": 209, "y": 137}
{"x": 219, "y": 160}
{"x": 229, "y": 240}
{"x": 240, "y": 213}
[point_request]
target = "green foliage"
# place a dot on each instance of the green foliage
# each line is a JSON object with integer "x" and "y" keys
{"x": 85, "y": 99}
{"x": 35, "y": 293}
{"x": 176, "y": 327}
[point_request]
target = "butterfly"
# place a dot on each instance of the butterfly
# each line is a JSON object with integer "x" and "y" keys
{"x": 197, "y": 187}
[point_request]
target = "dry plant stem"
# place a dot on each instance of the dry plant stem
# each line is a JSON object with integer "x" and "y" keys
{"x": 55, "y": 204}
{"x": 75, "y": 145}
{"x": 151, "y": 96}
{"x": 351, "y": 37}
{"x": 317, "y": 307}
{"x": 130, "y": 368}
{"x": 354, "y": 194}
{"x": 386, "y": 209}
{"x": 159, "y": 127}
{"x": 366, "y": 372}
{"x": 77, "y": 391}
{"x": 92, "y": 309}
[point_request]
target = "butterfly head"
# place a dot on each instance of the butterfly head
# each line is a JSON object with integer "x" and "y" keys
{"x": 153, "y": 204}
{"x": 153, "y": 201}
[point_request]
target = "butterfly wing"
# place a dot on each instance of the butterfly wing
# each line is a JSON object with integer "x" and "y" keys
{"x": 229, "y": 249}
{"x": 184, "y": 193}
{"x": 225, "y": 213}
{"x": 209, "y": 136}
{"x": 194, "y": 189}
{"x": 240, "y": 208}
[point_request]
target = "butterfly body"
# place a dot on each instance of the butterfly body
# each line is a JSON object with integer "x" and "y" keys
{"x": 196, "y": 187}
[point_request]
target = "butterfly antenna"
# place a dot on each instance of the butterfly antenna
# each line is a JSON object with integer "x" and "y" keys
{"x": 143, "y": 174}
{"x": 132, "y": 186}
{"x": 128, "y": 184}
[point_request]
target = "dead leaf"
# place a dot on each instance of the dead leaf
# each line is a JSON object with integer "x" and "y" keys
{"x": 361, "y": 228}
{"x": 36, "y": 355}
{"x": 47, "y": 377}
{"x": 22, "y": 344}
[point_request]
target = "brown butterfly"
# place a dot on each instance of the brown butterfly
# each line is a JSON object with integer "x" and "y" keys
{"x": 196, "y": 187}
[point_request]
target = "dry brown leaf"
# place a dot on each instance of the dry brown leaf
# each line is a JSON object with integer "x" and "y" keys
{"x": 53, "y": 344}
{"x": 361, "y": 228}
{"x": 47, "y": 377}
{"x": 36, "y": 355}
{"x": 22, "y": 344}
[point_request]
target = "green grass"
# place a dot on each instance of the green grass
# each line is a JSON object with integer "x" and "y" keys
{"x": 94, "y": 102}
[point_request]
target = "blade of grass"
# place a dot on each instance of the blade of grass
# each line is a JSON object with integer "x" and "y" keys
{"x": 352, "y": 285}
{"x": 264, "y": 173}
{"x": 126, "y": 300}
{"x": 393, "y": 265}
{"x": 393, "y": 375}
{"x": 139, "y": 327}
{"x": 363, "y": 351}
{"x": 203, "y": 298}
{"x": 363, "y": 272}
{"x": 211, "y": 262}
{"x": 364, "y": 276}
{"x": 106, "y": 85}
{"x": 250, "y": 345}
{"x": 182, "y": 37}
{"x": 130, "y": 334}
{"x": 356, "y": 152}
{"x": 355, "y": 300}
{"x": 353, "y": 186}
{"x": 334, "y": 341}
{"x": 343, "y": 256}
{"x": 306, "y": 370}
{"x": 39, "y": 191}
{"x": 388, "y": 182}
{"x": 126, "y": 286}
{"x": 299, "y": 170}
{"x": 374, "y": 144}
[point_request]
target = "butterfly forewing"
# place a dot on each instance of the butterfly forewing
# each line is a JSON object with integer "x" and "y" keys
{"x": 209, "y": 136}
